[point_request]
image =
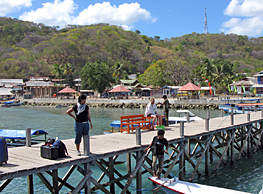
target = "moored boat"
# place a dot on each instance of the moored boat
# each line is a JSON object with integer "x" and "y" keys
{"x": 173, "y": 186}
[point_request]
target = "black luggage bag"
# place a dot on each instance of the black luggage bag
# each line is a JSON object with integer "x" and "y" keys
{"x": 49, "y": 152}
{"x": 3, "y": 151}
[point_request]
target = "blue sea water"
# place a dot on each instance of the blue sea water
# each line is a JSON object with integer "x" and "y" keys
{"x": 244, "y": 175}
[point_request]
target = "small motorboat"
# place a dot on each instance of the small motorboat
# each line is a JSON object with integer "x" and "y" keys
{"x": 5, "y": 105}
{"x": 61, "y": 105}
{"x": 172, "y": 186}
{"x": 183, "y": 117}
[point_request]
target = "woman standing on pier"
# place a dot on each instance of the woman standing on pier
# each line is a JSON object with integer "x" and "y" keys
{"x": 82, "y": 119}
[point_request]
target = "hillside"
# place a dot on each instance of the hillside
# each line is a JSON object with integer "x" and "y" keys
{"x": 30, "y": 49}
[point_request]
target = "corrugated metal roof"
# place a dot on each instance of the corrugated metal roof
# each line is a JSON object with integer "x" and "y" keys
{"x": 11, "y": 81}
{"x": 5, "y": 92}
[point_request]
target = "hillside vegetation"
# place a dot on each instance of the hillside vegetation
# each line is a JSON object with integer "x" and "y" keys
{"x": 30, "y": 49}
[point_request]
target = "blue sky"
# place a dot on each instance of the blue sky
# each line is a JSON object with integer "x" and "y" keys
{"x": 167, "y": 18}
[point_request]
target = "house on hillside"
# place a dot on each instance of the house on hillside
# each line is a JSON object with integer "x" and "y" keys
{"x": 247, "y": 82}
{"x": 133, "y": 85}
{"x": 258, "y": 86}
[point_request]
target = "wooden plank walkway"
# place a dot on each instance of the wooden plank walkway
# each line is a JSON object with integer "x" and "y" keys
{"x": 24, "y": 161}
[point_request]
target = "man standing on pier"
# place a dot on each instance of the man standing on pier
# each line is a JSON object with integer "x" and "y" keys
{"x": 158, "y": 144}
{"x": 151, "y": 111}
{"x": 82, "y": 117}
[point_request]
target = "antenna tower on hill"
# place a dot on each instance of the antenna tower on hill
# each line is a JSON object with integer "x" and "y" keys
{"x": 206, "y": 27}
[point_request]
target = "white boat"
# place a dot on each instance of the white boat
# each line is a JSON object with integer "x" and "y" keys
{"x": 172, "y": 186}
{"x": 183, "y": 117}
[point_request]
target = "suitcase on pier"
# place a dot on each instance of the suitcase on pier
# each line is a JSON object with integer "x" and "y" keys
{"x": 49, "y": 152}
{"x": 3, "y": 151}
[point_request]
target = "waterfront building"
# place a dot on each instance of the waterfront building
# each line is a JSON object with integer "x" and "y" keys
{"x": 245, "y": 83}
{"x": 258, "y": 86}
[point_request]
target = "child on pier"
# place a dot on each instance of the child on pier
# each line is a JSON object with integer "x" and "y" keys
{"x": 82, "y": 117}
{"x": 158, "y": 144}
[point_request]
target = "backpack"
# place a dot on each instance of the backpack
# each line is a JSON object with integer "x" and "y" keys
{"x": 50, "y": 141}
{"x": 62, "y": 150}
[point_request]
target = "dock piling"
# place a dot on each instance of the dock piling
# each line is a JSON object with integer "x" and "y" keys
{"x": 261, "y": 113}
{"x": 188, "y": 117}
{"x": 28, "y": 137}
{"x": 243, "y": 110}
{"x": 222, "y": 112}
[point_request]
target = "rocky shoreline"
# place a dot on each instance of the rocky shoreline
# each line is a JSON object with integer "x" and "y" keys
{"x": 124, "y": 105}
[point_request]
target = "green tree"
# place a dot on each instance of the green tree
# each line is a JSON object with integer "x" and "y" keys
{"x": 118, "y": 72}
{"x": 67, "y": 70}
{"x": 57, "y": 70}
{"x": 96, "y": 76}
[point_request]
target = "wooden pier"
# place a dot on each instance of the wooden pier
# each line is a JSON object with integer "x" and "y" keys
{"x": 222, "y": 136}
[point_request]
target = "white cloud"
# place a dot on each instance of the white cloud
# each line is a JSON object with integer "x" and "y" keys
{"x": 247, "y": 8}
{"x": 251, "y": 17}
{"x": 124, "y": 14}
{"x": 60, "y": 13}
{"x": 8, "y": 6}
{"x": 53, "y": 14}
{"x": 251, "y": 26}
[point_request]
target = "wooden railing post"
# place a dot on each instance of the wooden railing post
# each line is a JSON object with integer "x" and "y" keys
{"x": 138, "y": 136}
{"x": 255, "y": 108}
{"x": 232, "y": 118}
{"x": 222, "y": 112}
{"x": 207, "y": 124}
{"x": 28, "y": 137}
{"x": 188, "y": 117}
{"x": 86, "y": 145}
{"x": 243, "y": 110}
{"x": 261, "y": 113}
{"x": 248, "y": 116}
{"x": 208, "y": 114}
{"x": 181, "y": 159}
{"x": 138, "y": 157}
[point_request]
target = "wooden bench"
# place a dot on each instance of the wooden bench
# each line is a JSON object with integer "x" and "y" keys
{"x": 130, "y": 122}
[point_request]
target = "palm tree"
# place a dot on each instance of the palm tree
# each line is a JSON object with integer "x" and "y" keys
{"x": 118, "y": 72}
{"x": 57, "y": 71}
{"x": 67, "y": 70}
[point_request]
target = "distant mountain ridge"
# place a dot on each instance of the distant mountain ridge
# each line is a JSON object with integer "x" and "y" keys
{"x": 30, "y": 49}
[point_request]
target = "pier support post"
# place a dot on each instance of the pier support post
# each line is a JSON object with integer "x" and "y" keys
{"x": 261, "y": 128}
{"x": 28, "y": 137}
{"x": 138, "y": 157}
{"x": 86, "y": 145}
{"x": 261, "y": 113}
{"x": 55, "y": 181}
{"x": 207, "y": 124}
{"x": 207, "y": 159}
{"x": 222, "y": 112}
{"x": 181, "y": 159}
{"x": 243, "y": 110}
{"x": 86, "y": 170}
{"x": 232, "y": 119}
{"x": 30, "y": 184}
{"x": 232, "y": 148}
{"x": 129, "y": 163}
{"x": 255, "y": 108}
{"x": 188, "y": 117}
{"x": 111, "y": 173}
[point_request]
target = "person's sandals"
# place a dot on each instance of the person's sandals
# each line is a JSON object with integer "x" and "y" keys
{"x": 78, "y": 153}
